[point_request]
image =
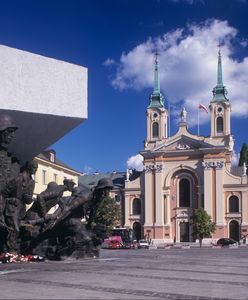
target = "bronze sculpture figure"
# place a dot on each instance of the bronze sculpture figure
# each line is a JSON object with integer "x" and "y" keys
{"x": 58, "y": 234}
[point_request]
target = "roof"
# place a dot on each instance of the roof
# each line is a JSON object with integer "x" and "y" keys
{"x": 56, "y": 162}
{"x": 91, "y": 180}
{"x": 118, "y": 178}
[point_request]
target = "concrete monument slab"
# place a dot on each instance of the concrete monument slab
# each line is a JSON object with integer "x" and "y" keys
{"x": 46, "y": 97}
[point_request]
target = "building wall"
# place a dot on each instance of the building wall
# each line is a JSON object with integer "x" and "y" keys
{"x": 50, "y": 169}
{"x": 211, "y": 185}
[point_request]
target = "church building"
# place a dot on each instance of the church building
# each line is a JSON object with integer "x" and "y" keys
{"x": 184, "y": 172}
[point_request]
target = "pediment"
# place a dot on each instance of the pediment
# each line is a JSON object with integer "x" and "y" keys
{"x": 182, "y": 143}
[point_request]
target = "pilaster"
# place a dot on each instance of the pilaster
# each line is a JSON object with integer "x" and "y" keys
{"x": 219, "y": 197}
{"x": 149, "y": 198}
{"x": 159, "y": 198}
{"x": 208, "y": 186}
{"x": 168, "y": 216}
{"x": 127, "y": 211}
{"x": 244, "y": 208}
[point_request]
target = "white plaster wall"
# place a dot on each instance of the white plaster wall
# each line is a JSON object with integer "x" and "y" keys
{"x": 231, "y": 179}
{"x": 34, "y": 83}
{"x": 134, "y": 184}
{"x": 220, "y": 214}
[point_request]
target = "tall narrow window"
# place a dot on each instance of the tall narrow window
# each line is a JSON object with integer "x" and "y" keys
{"x": 184, "y": 193}
{"x": 35, "y": 177}
{"x": 136, "y": 206}
{"x": 55, "y": 177}
{"x": 219, "y": 123}
{"x": 233, "y": 204}
{"x": 155, "y": 129}
{"x": 44, "y": 177}
{"x": 52, "y": 157}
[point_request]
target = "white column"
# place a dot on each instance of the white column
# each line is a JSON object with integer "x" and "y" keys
{"x": 168, "y": 214}
{"x": 244, "y": 208}
{"x": 227, "y": 121}
{"x": 219, "y": 197}
{"x": 149, "y": 199}
{"x": 127, "y": 211}
{"x": 208, "y": 190}
{"x": 159, "y": 198}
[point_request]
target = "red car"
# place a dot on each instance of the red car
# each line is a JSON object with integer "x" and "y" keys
{"x": 115, "y": 245}
{"x": 113, "y": 242}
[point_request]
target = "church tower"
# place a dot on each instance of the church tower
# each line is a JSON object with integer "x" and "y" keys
{"x": 157, "y": 115}
{"x": 220, "y": 107}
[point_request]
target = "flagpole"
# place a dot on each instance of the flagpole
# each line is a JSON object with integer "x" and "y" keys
{"x": 169, "y": 120}
{"x": 198, "y": 121}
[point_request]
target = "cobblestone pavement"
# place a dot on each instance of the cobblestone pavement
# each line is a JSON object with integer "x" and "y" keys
{"x": 133, "y": 274}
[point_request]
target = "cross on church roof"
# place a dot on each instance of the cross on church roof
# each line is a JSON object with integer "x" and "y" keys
{"x": 219, "y": 45}
{"x": 156, "y": 57}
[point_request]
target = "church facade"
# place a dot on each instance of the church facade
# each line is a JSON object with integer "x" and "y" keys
{"x": 184, "y": 172}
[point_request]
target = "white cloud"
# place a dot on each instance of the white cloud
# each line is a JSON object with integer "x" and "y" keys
{"x": 109, "y": 62}
{"x": 188, "y": 67}
{"x": 87, "y": 169}
{"x": 244, "y": 42}
{"x": 135, "y": 162}
{"x": 235, "y": 159}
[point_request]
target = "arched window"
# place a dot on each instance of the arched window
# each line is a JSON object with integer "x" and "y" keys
{"x": 219, "y": 123}
{"x": 136, "y": 206}
{"x": 233, "y": 204}
{"x": 184, "y": 193}
{"x": 155, "y": 130}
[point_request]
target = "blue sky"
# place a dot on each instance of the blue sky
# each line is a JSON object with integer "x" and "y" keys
{"x": 115, "y": 40}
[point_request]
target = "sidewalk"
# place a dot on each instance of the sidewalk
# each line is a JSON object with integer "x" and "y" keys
{"x": 193, "y": 245}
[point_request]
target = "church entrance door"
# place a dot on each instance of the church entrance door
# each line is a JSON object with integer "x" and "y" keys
{"x": 184, "y": 232}
{"x": 234, "y": 230}
{"x": 137, "y": 230}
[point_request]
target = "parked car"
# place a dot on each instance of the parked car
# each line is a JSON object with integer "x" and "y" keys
{"x": 226, "y": 242}
{"x": 128, "y": 245}
{"x": 143, "y": 244}
{"x": 113, "y": 242}
{"x": 115, "y": 245}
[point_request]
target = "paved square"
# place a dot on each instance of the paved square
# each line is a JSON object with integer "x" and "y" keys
{"x": 133, "y": 274}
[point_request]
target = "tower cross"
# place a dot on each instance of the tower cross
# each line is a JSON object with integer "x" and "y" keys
{"x": 219, "y": 73}
{"x": 219, "y": 45}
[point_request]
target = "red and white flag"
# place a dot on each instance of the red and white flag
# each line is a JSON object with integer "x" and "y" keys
{"x": 201, "y": 106}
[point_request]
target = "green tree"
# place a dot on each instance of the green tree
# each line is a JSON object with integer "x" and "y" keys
{"x": 202, "y": 224}
{"x": 243, "y": 155}
{"x": 108, "y": 213}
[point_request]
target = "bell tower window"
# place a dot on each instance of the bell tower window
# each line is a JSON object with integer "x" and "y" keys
{"x": 155, "y": 130}
{"x": 219, "y": 123}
